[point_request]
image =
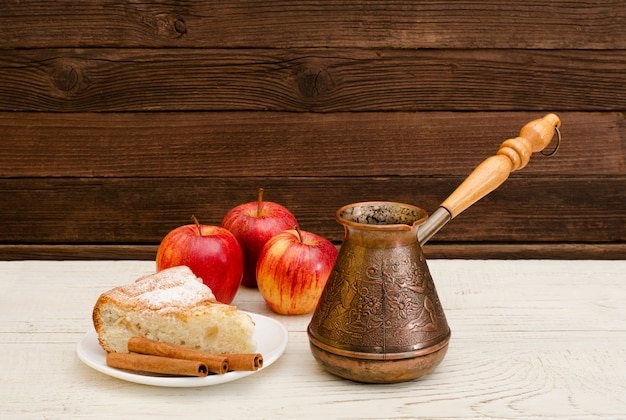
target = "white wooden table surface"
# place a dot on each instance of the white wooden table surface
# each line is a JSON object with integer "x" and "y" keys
{"x": 530, "y": 339}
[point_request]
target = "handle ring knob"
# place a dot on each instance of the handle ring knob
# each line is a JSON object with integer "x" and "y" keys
{"x": 558, "y": 143}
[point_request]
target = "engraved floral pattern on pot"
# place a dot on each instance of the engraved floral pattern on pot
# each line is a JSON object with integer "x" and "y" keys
{"x": 404, "y": 284}
{"x": 387, "y": 302}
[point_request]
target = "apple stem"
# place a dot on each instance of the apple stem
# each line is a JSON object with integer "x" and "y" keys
{"x": 259, "y": 202}
{"x": 297, "y": 229}
{"x": 193, "y": 217}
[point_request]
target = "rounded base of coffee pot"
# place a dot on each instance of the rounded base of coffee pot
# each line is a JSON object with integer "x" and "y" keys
{"x": 378, "y": 367}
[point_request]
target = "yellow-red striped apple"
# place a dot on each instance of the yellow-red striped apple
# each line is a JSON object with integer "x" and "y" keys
{"x": 293, "y": 269}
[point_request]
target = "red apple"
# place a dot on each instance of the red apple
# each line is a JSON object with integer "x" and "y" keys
{"x": 211, "y": 252}
{"x": 253, "y": 224}
{"x": 293, "y": 269}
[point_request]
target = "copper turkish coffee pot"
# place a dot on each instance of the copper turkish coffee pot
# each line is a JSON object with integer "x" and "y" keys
{"x": 379, "y": 319}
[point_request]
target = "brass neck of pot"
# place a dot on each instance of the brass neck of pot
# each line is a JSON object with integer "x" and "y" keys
{"x": 433, "y": 224}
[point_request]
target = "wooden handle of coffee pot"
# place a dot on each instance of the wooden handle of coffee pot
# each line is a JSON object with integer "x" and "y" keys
{"x": 513, "y": 155}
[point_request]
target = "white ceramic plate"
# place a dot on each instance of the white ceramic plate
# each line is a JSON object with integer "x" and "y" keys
{"x": 270, "y": 335}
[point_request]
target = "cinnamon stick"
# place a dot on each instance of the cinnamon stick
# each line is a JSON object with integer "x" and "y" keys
{"x": 245, "y": 361}
{"x": 215, "y": 363}
{"x": 156, "y": 364}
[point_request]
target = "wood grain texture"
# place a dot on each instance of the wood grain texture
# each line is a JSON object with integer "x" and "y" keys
{"x": 120, "y": 119}
{"x": 143, "y": 210}
{"x": 530, "y": 339}
{"x": 315, "y": 80}
{"x": 234, "y": 144}
{"x": 433, "y": 250}
{"x": 261, "y": 24}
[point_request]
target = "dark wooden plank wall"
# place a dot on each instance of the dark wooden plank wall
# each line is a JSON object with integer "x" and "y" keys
{"x": 120, "y": 119}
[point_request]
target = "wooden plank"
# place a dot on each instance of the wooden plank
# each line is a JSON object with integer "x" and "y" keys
{"x": 294, "y": 144}
{"x": 375, "y": 24}
{"x": 143, "y": 210}
{"x": 539, "y": 340}
{"x": 317, "y": 80}
{"x": 77, "y": 252}
{"x": 433, "y": 250}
